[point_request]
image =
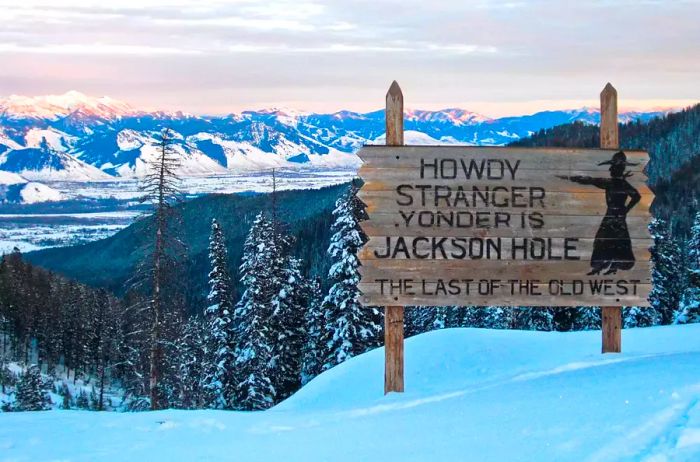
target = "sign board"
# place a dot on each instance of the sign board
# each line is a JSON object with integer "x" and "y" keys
{"x": 476, "y": 226}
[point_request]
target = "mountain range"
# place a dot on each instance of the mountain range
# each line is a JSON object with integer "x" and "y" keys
{"x": 74, "y": 137}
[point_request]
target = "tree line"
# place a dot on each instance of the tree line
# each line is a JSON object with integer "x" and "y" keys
{"x": 251, "y": 347}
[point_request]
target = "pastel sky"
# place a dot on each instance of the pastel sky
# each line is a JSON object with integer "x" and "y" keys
{"x": 494, "y": 57}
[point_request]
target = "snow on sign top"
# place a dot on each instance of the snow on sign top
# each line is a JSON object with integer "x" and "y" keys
{"x": 475, "y": 226}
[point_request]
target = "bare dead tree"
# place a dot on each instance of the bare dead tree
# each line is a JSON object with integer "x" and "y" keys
{"x": 161, "y": 189}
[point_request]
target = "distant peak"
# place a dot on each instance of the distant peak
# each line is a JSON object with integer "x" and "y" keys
{"x": 54, "y": 106}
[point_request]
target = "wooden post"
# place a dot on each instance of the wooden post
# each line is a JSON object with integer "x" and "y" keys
{"x": 611, "y": 316}
{"x": 393, "y": 315}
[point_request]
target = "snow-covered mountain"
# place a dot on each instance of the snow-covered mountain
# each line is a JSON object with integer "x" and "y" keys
{"x": 16, "y": 189}
{"x": 81, "y": 138}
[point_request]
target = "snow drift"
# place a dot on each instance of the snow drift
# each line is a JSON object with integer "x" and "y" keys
{"x": 471, "y": 395}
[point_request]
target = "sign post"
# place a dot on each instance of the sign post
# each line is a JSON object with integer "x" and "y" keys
{"x": 393, "y": 315}
{"x": 611, "y": 316}
{"x": 503, "y": 226}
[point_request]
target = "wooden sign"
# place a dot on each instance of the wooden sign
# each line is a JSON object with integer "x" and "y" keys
{"x": 505, "y": 226}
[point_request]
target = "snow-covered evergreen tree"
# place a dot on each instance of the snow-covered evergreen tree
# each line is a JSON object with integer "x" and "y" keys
{"x": 667, "y": 277}
{"x": 497, "y": 317}
{"x": 587, "y": 318}
{"x": 418, "y": 319}
{"x": 288, "y": 305}
{"x": 441, "y": 321}
{"x": 689, "y": 310}
{"x": 637, "y": 316}
{"x": 693, "y": 245}
{"x": 313, "y": 351}
{"x": 31, "y": 395}
{"x": 193, "y": 362}
{"x": 220, "y": 365}
{"x": 254, "y": 334}
{"x": 351, "y": 328}
{"x": 476, "y": 316}
{"x": 533, "y": 318}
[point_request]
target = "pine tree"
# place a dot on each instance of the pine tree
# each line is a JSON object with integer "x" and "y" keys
{"x": 476, "y": 316}
{"x": 636, "y": 316}
{"x": 66, "y": 398}
{"x": 418, "y": 319}
{"x": 82, "y": 402}
{"x": 193, "y": 360}
{"x": 533, "y": 318}
{"x": 689, "y": 309}
{"x": 161, "y": 189}
{"x": 220, "y": 379}
{"x": 254, "y": 334}
{"x": 441, "y": 318}
{"x": 288, "y": 305}
{"x": 30, "y": 391}
{"x": 587, "y": 318}
{"x": 313, "y": 351}
{"x": 666, "y": 278}
{"x": 497, "y": 317}
{"x": 351, "y": 328}
{"x": 693, "y": 245}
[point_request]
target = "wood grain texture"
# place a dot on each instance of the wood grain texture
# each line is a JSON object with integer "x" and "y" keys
{"x": 612, "y": 329}
{"x": 378, "y": 156}
{"x": 609, "y": 130}
{"x": 373, "y": 296}
{"x": 393, "y": 315}
{"x": 387, "y": 224}
{"x": 476, "y": 252}
{"x": 453, "y": 269}
{"x": 394, "y": 115}
{"x": 387, "y": 179}
{"x": 553, "y": 203}
{"x": 393, "y": 349}
{"x": 610, "y": 139}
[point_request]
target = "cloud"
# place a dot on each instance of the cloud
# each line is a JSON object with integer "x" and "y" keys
{"x": 343, "y": 52}
{"x": 93, "y": 49}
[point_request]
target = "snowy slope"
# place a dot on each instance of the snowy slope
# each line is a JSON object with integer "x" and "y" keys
{"x": 472, "y": 395}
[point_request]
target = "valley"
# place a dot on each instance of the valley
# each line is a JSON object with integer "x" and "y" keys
{"x": 94, "y": 210}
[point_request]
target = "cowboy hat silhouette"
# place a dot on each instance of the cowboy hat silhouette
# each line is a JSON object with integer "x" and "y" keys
{"x": 619, "y": 158}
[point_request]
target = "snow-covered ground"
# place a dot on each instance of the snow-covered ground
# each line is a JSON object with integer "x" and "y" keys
{"x": 226, "y": 183}
{"x": 471, "y": 395}
{"x": 33, "y": 231}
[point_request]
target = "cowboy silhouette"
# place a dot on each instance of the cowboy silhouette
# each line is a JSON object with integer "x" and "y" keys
{"x": 612, "y": 248}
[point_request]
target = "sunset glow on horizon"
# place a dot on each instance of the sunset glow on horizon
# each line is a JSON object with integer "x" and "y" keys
{"x": 496, "y": 58}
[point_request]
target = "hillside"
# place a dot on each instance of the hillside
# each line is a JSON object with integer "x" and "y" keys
{"x": 471, "y": 395}
{"x": 110, "y": 262}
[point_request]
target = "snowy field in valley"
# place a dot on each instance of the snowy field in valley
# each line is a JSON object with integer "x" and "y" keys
{"x": 471, "y": 395}
{"x": 32, "y": 231}
{"x": 260, "y": 181}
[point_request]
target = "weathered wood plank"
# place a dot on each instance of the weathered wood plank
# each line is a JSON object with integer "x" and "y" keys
{"x": 505, "y": 270}
{"x": 530, "y": 158}
{"x": 511, "y": 202}
{"x": 585, "y": 226}
{"x": 372, "y": 296}
{"x": 469, "y": 249}
{"x": 387, "y": 179}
